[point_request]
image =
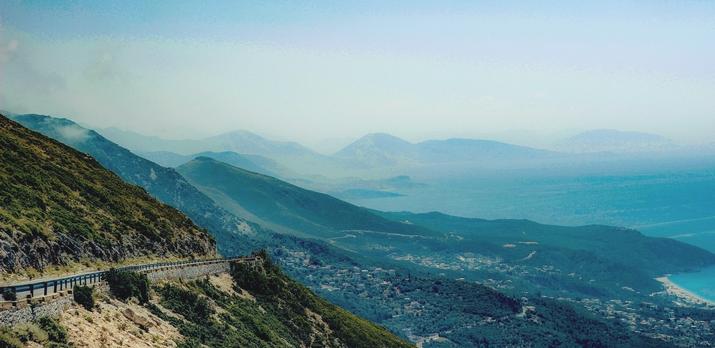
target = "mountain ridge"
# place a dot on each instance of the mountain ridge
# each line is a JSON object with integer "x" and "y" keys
{"x": 61, "y": 205}
{"x": 381, "y": 149}
{"x": 323, "y": 213}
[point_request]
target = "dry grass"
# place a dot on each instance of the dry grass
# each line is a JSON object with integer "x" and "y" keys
{"x": 118, "y": 324}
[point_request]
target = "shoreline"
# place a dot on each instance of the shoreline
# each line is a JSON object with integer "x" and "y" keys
{"x": 688, "y": 296}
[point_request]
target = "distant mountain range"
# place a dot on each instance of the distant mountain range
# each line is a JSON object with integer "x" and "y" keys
{"x": 371, "y": 151}
{"x": 386, "y": 150}
{"x": 238, "y": 141}
{"x": 389, "y": 155}
{"x": 289, "y": 154}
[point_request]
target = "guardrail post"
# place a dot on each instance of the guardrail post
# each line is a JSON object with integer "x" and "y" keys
{"x": 45, "y": 289}
{"x": 32, "y": 290}
{"x": 54, "y": 286}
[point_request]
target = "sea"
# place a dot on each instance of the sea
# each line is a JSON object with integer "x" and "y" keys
{"x": 678, "y": 204}
{"x": 700, "y": 283}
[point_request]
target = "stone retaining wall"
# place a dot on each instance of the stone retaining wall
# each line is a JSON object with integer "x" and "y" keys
{"x": 53, "y": 305}
{"x": 188, "y": 273}
{"x": 35, "y": 310}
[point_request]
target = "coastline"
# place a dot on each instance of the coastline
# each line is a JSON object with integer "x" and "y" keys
{"x": 686, "y": 295}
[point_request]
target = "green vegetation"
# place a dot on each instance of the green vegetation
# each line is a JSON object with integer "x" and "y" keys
{"x": 125, "y": 285}
{"x": 46, "y": 332}
{"x": 187, "y": 303}
{"x": 274, "y": 290}
{"x": 57, "y": 202}
{"x": 281, "y": 313}
{"x": 463, "y": 313}
{"x": 84, "y": 295}
{"x": 9, "y": 295}
{"x": 605, "y": 258}
{"x": 624, "y": 247}
{"x": 285, "y": 207}
{"x": 55, "y": 331}
{"x": 164, "y": 184}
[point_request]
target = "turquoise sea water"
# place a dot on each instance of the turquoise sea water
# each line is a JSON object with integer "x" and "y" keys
{"x": 672, "y": 204}
{"x": 701, "y": 283}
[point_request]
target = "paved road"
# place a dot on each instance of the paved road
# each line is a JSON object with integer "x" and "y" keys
{"x": 49, "y": 286}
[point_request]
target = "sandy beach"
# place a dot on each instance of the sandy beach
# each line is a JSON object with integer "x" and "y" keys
{"x": 687, "y": 296}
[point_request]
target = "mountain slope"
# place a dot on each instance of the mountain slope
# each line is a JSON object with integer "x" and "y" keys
{"x": 292, "y": 155}
{"x": 165, "y": 184}
{"x": 252, "y": 306}
{"x": 282, "y": 205}
{"x": 60, "y": 205}
{"x": 325, "y": 324}
{"x": 253, "y": 163}
{"x": 379, "y": 149}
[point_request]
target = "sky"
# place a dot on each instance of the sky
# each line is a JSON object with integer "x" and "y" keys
{"x": 326, "y": 72}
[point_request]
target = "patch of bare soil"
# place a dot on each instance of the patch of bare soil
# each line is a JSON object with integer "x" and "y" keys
{"x": 116, "y": 324}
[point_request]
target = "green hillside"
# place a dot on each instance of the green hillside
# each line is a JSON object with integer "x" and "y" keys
{"x": 268, "y": 310}
{"x": 283, "y": 206}
{"x": 164, "y": 184}
{"x": 624, "y": 246}
{"x": 60, "y": 205}
{"x": 590, "y": 261}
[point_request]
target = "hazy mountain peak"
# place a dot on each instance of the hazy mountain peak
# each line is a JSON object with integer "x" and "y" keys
{"x": 377, "y": 149}
{"x": 383, "y": 138}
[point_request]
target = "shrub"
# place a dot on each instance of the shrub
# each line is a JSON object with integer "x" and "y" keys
{"x": 187, "y": 303}
{"x": 84, "y": 296}
{"x": 30, "y": 332}
{"x": 8, "y": 340}
{"x": 54, "y": 330}
{"x": 125, "y": 285}
{"x": 9, "y": 294}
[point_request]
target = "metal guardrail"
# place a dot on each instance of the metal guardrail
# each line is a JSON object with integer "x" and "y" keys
{"x": 53, "y": 286}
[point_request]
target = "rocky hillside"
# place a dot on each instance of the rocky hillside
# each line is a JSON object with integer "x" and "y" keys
{"x": 164, "y": 184}
{"x": 60, "y": 206}
{"x": 261, "y": 307}
{"x": 252, "y": 306}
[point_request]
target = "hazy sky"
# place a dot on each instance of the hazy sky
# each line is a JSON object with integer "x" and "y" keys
{"x": 315, "y": 70}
